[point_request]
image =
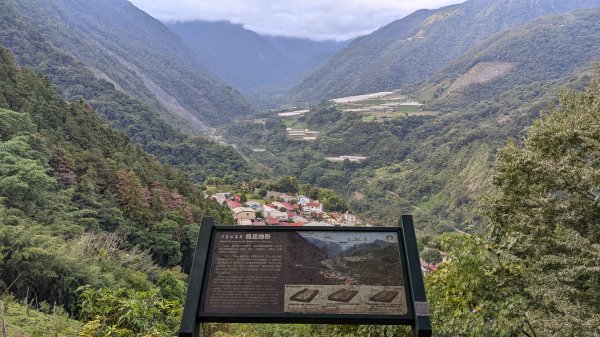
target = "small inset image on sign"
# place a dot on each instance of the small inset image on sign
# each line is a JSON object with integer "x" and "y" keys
{"x": 305, "y": 295}
{"x": 343, "y": 295}
{"x": 331, "y": 299}
{"x": 385, "y": 296}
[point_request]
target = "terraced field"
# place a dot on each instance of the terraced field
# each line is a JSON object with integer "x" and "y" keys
{"x": 378, "y": 107}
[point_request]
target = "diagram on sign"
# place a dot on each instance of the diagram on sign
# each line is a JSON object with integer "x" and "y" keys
{"x": 347, "y": 274}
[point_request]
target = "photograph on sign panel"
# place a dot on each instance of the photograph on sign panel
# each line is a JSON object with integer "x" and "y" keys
{"x": 347, "y": 273}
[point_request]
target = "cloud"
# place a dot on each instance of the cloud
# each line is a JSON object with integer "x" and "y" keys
{"x": 316, "y": 19}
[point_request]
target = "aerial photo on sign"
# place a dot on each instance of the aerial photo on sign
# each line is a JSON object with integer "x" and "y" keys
{"x": 306, "y": 272}
{"x": 361, "y": 273}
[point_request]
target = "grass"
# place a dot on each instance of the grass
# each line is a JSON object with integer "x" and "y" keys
{"x": 32, "y": 323}
{"x": 381, "y": 116}
{"x": 293, "y": 123}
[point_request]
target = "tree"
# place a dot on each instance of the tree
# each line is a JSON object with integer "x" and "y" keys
{"x": 287, "y": 184}
{"x": 545, "y": 214}
{"x": 24, "y": 168}
{"x": 171, "y": 288}
{"x": 469, "y": 294}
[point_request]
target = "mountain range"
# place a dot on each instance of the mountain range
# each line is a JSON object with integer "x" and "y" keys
{"x": 415, "y": 47}
{"x": 138, "y": 55}
{"x": 434, "y": 162}
{"x": 252, "y": 62}
{"x": 120, "y": 100}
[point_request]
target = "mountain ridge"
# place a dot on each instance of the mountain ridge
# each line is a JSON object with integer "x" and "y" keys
{"x": 249, "y": 61}
{"x": 410, "y": 49}
{"x": 140, "y": 55}
{"x": 139, "y": 121}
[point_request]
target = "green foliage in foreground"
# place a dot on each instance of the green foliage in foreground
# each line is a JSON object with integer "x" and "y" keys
{"x": 21, "y": 320}
{"x": 82, "y": 206}
{"x": 546, "y": 215}
{"x": 538, "y": 273}
{"x": 470, "y": 294}
{"x": 125, "y": 312}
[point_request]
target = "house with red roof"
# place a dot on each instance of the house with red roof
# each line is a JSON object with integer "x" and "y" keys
{"x": 312, "y": 207}
{"x": 289, "y": 207}
{"x": 233, "y": 204}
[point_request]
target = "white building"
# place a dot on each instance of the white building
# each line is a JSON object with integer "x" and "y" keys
{"x": 312, "y": 207}
{"x": 303, "y": 200}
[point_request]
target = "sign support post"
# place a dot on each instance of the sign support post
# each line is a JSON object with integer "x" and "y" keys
{"x": 189, "y": 321}
{"x": 422, "y": 326}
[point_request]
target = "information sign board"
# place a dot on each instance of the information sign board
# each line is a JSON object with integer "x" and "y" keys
{"x": 355, "y": 275}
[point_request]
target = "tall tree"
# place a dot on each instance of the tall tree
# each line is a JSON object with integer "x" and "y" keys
{"x": 545, "y": 215}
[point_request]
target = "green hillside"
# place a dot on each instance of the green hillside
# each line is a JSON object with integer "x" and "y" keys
{"x": 136, "y": 53}
{"x": 83, "y": 206}
{"x": 540, "y": 51}
{"x": 410, "y": 49}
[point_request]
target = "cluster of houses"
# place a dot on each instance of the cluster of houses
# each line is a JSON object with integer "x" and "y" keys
{"x": 280, "y": 209}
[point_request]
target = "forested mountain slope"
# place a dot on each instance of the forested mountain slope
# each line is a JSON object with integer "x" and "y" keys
{"x": 434, "y": 163}
{"x": 542, "y": 50}
{"x": 247, "y": 60}
{"x": 138, "y": 120}
{"x": 82, "y": 205}
{"x": 139, "y": 55}
{"x": 410, "y": 49}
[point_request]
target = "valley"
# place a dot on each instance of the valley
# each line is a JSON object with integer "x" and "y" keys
{"x": 120, "y": 132}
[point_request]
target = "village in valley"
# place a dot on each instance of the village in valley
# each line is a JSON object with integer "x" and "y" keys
{"x": 281, "y": 209}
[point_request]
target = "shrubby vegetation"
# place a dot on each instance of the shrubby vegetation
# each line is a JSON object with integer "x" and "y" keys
{"x": 82, "y": 206}
{"x": 536, "y": 272}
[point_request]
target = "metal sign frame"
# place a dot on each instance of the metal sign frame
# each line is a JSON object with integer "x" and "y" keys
{"x": 417, "y": 309}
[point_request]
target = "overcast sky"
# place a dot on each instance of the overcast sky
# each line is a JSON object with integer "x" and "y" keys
{"x": 316, "y": 19}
